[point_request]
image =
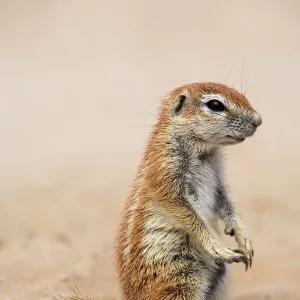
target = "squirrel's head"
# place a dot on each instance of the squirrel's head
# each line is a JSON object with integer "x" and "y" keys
{"x": 213, "y": 113}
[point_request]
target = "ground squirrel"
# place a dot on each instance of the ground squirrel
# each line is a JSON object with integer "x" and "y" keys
{"x": 167, "y": 245}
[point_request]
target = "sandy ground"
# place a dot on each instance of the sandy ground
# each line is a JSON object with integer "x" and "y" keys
{"x": 80, "y": 85}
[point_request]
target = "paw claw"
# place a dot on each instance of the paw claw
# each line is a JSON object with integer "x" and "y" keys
{"x": 238, "y": 256}
{"x": 246, "y": 246}
{"x": 239, "y": 251}
{"x": 246, "y": 264}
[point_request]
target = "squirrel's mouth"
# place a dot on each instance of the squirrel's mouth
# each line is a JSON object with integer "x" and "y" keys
{"x": 235, "y": 138}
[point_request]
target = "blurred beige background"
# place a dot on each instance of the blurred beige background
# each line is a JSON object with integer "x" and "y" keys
{"x": 80, "y": 83}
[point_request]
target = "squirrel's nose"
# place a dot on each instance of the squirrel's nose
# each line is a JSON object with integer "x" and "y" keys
{"x": 257, "y": 120}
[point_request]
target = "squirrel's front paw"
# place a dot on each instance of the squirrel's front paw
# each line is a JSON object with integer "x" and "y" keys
{"x": 245, "y": 245}
{"x": 231, "y": 255}
{"x": 243, "y": 241}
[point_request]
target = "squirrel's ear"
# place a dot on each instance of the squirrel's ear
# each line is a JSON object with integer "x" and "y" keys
{"x": 180, "y": 102}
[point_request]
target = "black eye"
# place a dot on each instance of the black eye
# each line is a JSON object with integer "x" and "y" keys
{"x": 215, "y": 105}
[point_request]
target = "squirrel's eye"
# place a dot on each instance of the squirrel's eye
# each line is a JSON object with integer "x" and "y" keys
{"x": 215, "y": 105}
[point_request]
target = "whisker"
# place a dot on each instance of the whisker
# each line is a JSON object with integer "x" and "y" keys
{"x": 149, "y": 125}
{"x": 229, "y": 73}
{"x": 242, "y": 76}
{"x": 248, "y": 89}
{"x": 245, "y": 87}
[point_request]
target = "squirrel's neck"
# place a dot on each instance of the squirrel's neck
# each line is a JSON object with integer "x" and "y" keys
{"x": 168, "y": 157}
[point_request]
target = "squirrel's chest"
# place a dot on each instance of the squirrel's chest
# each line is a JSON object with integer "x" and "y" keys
{"x": 201, "y": 187}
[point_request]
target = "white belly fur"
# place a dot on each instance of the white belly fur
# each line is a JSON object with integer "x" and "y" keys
{"x": 206, "y": 182}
